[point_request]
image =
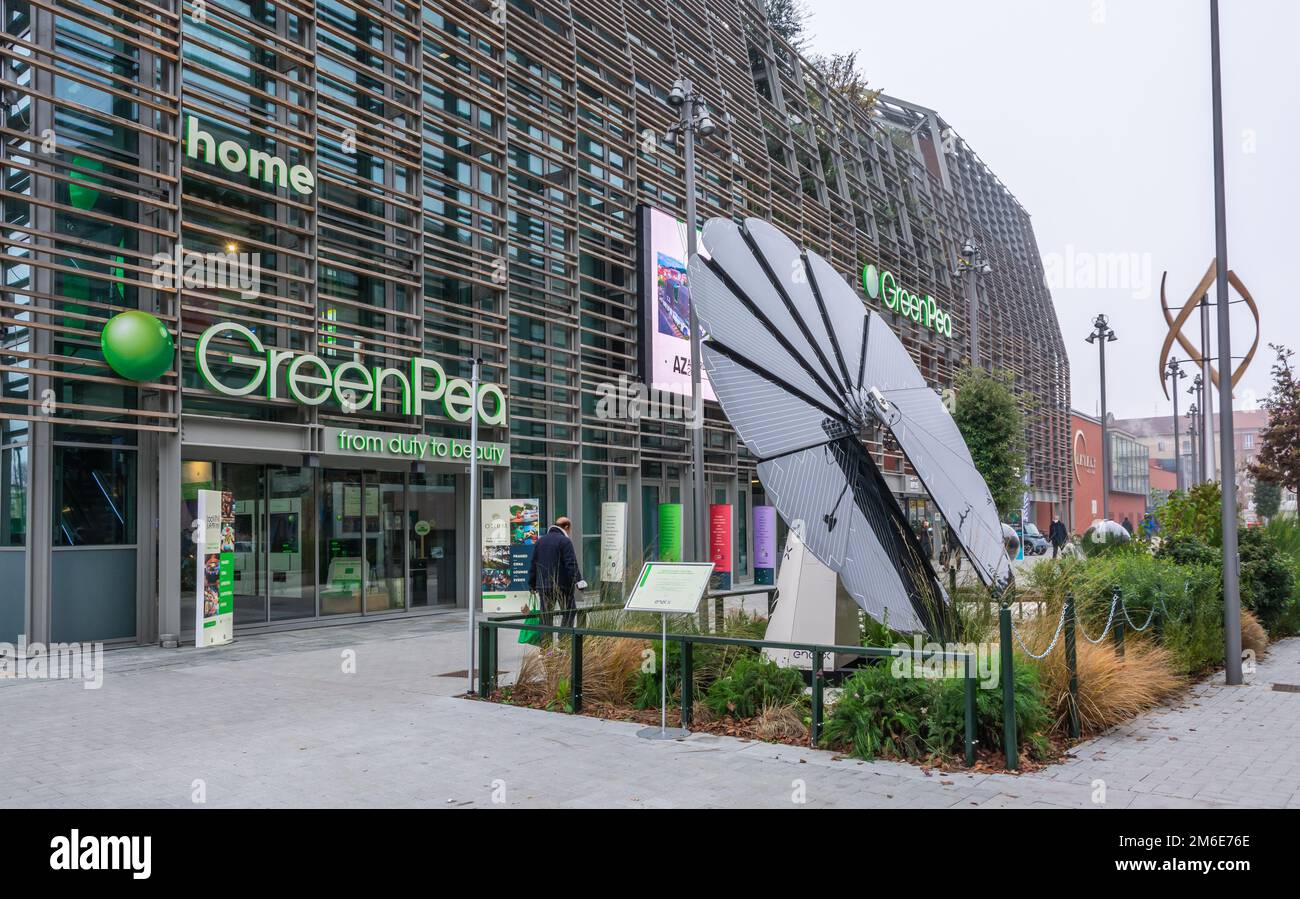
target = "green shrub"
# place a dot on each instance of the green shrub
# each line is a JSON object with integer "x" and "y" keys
{"x": 914, "y": 717}
{"x": 1188, "y": 600}
{"x": 1197, "y": 513}
{"x": 1183, "y": 549}
{"x": 879, "y": 714}
{"x": 1268, "y": 583}
{"x": 751, "y": 683}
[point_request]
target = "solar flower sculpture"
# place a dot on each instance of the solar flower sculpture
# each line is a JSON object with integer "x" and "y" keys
{"x": 805, "y": 372}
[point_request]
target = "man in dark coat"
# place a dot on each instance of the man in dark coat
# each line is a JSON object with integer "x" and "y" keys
{"x": 1057, "y": 535}
{"x": 1127, "y": 524}
{"x": 554, "y": 574}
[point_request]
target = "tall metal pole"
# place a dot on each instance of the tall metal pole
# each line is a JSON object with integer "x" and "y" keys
{"x": 700, "y": 505}
{"x": 472, "y": 579}
{"x": 1207, "y": 407}
{"x": 1105, "y": 439}
{"x": 1174, "y": 371}
{"x": 1231, "y": 563}
{"x": 973, "y": 313}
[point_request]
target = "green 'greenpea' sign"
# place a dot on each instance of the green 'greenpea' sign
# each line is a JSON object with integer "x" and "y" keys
{"x": 310, "y": 380}
{"x": 883, "y": 286}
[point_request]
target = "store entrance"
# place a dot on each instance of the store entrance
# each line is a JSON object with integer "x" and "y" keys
{"x": 313, "y": 542}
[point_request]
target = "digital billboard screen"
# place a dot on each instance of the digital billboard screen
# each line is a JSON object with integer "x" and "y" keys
{"x": 665, "y": 298}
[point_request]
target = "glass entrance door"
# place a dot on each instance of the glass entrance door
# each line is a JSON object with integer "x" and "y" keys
{"x": 431, "y": 533}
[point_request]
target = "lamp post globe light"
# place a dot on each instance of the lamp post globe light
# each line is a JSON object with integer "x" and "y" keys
{"x": 1175, "y": 374}
{"x": 971, "y": 265}
{"x": 693, "y": 118}
{"x": 1102, "y": 335}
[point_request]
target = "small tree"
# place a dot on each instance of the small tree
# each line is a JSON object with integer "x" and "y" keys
{"x": 1279, "y": 452}
{"x": 844, "y": 78}
{"x": 788, "y": 18}
{"x": 1268, "y": 498}
{"x": 989, "y": 418}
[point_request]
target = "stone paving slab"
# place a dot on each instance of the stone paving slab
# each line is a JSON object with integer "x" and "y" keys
{"x": 275, "y": 720}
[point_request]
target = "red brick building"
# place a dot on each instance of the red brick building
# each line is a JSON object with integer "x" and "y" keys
{"x": 1130, "y": 474}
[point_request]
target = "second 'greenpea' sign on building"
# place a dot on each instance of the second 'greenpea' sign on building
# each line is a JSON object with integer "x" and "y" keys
{"x": 882, "y": 285}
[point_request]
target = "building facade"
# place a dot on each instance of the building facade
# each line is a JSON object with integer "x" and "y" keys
{"x": 313, "y": 196}
{"x": 1130, "y": 479}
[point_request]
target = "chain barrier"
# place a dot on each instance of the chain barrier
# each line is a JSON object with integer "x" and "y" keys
{"x": 1110, "y": 619}
{"x": 1159, "y": 603}
{"x": 1060, "y": 625}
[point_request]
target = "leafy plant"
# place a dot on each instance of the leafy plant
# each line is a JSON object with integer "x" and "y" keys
{"x": 1196, "y": 513}
{"x": 1268, "y": 498}
{"x": 989, "y": 417}
{"x": 1279, "y": 450}
{"x": 751, "y": 683}
{"x": 879, "y": 714}
{"x": 1268, "y": 584}
{"x": 1183, "y": 549}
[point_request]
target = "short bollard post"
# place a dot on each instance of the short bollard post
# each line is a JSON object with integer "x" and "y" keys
{"x": 1119, "y": 623}
{"x": 688, "y": 681}
{"x": 1071, "y": 664}
{"x": 970, "y": 711}
{"x": 483, "y": 661}
{"x": 952, "y": 580}
{"x": 719, "y": 615}
{"x": 816, "y": 728}
{"x": 1008, "y": 674}
{"x": 575, "y": 671}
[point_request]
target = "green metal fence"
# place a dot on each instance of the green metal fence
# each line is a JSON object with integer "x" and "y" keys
{"x": 490, "y": 628}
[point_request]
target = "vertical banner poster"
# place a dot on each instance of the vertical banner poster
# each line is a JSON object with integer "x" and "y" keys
{"x": 511, "y": 529}
{"x": 765, "y": 545}
{"x": 214, "y": 600}
{"x": 670, "y": 532}
{"x": 720, "y": 545}
{"x": 613, "y": 542}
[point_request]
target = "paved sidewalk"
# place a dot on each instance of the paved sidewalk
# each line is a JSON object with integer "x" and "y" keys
{"x": 273, "y": 720}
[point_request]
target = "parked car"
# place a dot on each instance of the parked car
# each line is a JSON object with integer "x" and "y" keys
{"x": 1035, "y": 543}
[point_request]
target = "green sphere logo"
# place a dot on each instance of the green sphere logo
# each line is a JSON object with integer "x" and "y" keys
{"x": 137, "y": 346}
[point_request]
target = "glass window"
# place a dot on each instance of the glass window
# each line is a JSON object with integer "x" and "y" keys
{"x": 94, "y": 496}
{"x": 291, "y": 542}
{"x": 341, "y": 557}
{"x": 432, "y": 535}
{"x": 386, "y": 542}
{"x": 13, "y": 497}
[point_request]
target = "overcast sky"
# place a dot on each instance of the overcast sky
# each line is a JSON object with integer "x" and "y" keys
{"x": 1096, "y": 115}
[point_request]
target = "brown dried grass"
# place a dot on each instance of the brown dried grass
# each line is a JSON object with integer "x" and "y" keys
{"x": 608, "y": 665}
{"x": 1253, "y": 635}
{"x": 1112, "y": 688}
{"x": 780, "y": 724}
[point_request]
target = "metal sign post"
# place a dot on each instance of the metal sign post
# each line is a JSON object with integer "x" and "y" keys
{"x": 668, "y": 587}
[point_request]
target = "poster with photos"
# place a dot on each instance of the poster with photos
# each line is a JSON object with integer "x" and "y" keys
{"x": 214, "y": 602}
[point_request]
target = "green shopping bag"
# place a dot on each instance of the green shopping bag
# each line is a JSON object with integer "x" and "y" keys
{"x": 531, "y": 637}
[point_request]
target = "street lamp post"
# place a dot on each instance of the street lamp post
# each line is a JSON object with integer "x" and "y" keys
{"x": 1102, "y": 335}
{"x": 1231, "y": 562}
{"x": 1198, "y": 389}
{"x": 1195, "y": 471}
{"x": 1175, "y": 374}
{"x": 693, "y": 118}
{"x": 971, "y": 264}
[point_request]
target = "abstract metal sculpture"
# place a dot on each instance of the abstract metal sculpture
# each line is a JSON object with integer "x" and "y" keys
{"x": 804, "y": 371}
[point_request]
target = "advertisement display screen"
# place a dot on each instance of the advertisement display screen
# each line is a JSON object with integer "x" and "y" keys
{"x": 665, "y": 297}
{"x": 510, "y": 531}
